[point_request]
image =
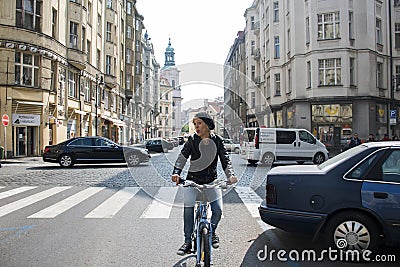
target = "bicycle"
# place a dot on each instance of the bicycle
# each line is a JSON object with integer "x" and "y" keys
{"x": 201, "y": 236}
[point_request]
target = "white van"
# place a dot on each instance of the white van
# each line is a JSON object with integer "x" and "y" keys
{"x": 279, "y": 144}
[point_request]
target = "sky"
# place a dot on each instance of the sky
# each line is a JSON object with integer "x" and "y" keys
{"x": 200, "y": 31}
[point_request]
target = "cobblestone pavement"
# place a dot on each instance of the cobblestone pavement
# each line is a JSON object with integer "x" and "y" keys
{"x": 157, "y": 172}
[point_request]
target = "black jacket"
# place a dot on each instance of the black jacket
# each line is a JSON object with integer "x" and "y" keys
{"x": 204, "y": 155}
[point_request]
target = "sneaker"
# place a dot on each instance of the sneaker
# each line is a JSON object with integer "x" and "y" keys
{"x": 215, "y": 241}
{"x": 184, "y": 249}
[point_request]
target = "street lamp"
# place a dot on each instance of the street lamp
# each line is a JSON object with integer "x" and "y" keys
{"x": 99, "y": 81}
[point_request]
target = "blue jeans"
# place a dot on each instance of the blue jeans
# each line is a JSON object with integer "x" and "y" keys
{"x": 190, "y": 194}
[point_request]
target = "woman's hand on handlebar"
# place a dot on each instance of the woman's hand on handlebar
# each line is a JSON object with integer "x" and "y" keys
{"x": 176, "y": 178}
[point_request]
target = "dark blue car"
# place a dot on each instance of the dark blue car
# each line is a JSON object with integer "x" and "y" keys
{"x": 352, "y": 200}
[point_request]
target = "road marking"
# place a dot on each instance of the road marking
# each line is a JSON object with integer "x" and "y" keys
{"x": 15, "y": 191}
{"x": 162, "y": 204}
{"x": 67, "y": 203}
{"x": 113, "y": 204}
{"x": 250, "y": 199}
{"x": 22, "y": 203}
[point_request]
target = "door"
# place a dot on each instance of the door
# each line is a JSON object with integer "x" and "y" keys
{"x": 286, "y": 145}
{"x": 20, "y": 142}
{"x": 380, "y": 191}
{"x": 306, "y": 145}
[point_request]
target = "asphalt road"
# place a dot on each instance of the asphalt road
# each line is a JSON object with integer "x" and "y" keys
{"x": 111, "y": 215}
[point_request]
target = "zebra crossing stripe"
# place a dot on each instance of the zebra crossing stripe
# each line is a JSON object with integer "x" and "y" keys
{"x": 15, "y": 191}
{"x": 113, "y": 204}
{"x": 162, "y": 204}
{"x": 67, "y": 203}
{"x": 250, "y": 199}
{"x": 6, "y": 209}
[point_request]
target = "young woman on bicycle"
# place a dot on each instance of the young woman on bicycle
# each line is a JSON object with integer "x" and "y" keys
{"x": 204, "y": 148}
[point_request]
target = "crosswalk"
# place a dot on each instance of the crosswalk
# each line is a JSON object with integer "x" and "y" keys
{"x": 160, "y": 202}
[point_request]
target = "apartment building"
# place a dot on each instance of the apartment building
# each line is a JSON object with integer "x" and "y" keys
{"x": 322, "y": 65}
{"x": 71, "y": 68}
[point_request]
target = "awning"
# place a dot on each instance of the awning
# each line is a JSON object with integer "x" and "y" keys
{"x": 80, "y": 112}
{"x": 30, "y": 103}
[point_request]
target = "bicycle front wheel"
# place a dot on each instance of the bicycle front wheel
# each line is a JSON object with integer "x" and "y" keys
{"x": 205, "y": 248}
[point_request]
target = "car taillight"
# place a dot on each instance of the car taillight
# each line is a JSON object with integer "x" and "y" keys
{"x": 46, "y": 149}
{"x": 271, "y": 194}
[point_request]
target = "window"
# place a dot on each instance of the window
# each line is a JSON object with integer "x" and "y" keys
{"x": 29, "y": 14}
{"x": 351, "y": 25}
{"x": 268, "y": 86}
{"x": 307, "y": 30}
{"x": 128, "y": 55}
{"x": 352, "y": 71}
{"x": 288, "y": 41}
{"x": 277, "y": 84}
{"x": 378, "y": 31}
{"x": 72, "y": 85}
{"x": 98, "y": 59}
{"x": 54, "y": 19}
{"x": 89, "y": 56}
{"x": 379, "y": 75}
{"x": 89, "y": 13}
{"x": 108, "y": 64}
{"x": 109, "y": 4}
{"x": 53, "y": 76}
{"x": 253, "y": 45}
{"x": 276, "y": 47}
{"x": 128, "y": 32}
{"x": 253, "y": 72}
{"x": 397, "y": 35}
{"x": 330, "y": 71}
{"x": 397, "y": 77}
{"x": 285, "y": 137}
{"x": 363, "y": 168}
{"x": 137, "y": 67}
{"x": 83, "y": 41}
{"x": 391, "y": 167}
{"x": 128, "y": 82}
{"x": 108, "y": 31}
{"x": 26, "y": 69}
{"x": 289, "y": 89}
{"x": 87, "y": 89}
{"x": 276, "y": 11}
{"x": 253, "y": 99}
{"x": 328, "y": 26}
{"x": 396, "y": 3}
{"x": 73, "y": 35}
{"x": 137, "y": 24}
{"x": 306, "y": 137}
{"x": 99, "y": 24}
{"x": 308, "y": 74}
{"x": 129, "y": 8}
{"x": 166, "y": 110}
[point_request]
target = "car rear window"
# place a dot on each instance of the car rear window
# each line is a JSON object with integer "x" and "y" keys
{"x": 344, "y": 155}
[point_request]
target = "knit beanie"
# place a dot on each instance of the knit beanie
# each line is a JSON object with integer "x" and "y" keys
{"x": 207, "y": 119}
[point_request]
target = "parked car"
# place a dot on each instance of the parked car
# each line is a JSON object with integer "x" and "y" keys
{"x": 231, "y": 146}
{"x": 94, "y": 150}
{"x": 174, "y": 141}
{"x": 159, "y": 145}
{"x": 354, "y": 196}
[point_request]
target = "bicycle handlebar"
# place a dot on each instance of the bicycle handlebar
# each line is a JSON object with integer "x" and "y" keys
{"x": 190, "y": 183}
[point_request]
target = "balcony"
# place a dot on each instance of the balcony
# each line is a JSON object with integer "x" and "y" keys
{"x": 128, "y": 94}
{"x": 256, "y": 28}
{"x": 256, "y": 54}
{"x": 110, "y": 81}
{"x": 77, "y": 58}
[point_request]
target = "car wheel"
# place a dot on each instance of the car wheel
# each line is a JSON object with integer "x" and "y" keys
{"x": 66, "y": 160}
{"x": 268, "y": 159}
{"x": 237, "y": 150}
{"x": 319, "y": 158}
{"x": 133, "y": 160}
{"x": 352, "y": 231}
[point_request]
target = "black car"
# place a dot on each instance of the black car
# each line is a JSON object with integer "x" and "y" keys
{"x": 352, "y": 200}
{"x": 159, "y": 145}
{"x": 93, "y": 150}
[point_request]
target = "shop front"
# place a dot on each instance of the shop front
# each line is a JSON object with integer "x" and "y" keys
{"x": 25, "y": 135}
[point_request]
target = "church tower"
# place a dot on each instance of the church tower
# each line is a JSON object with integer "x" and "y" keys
{"x": 170, "y": 75}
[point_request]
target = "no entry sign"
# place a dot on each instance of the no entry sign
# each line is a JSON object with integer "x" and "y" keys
{"x": 5, "y": 120}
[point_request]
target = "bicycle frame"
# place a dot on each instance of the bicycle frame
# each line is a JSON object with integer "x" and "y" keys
{"x": 201, "y": 222}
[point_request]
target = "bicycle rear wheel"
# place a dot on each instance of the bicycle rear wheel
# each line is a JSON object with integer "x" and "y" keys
{"x": 205, "y": 248}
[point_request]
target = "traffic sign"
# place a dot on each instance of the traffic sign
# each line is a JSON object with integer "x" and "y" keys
{"x": 5, "y": 120}
{"x": 393, "y": 117}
